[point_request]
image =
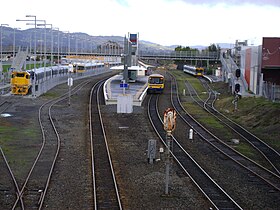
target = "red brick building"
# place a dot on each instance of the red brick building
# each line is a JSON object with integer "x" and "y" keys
{"x": 270, "y": 65}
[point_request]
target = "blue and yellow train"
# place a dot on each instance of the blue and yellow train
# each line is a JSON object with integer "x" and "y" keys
{"x": 193, "y": 70}
{"x": 83, "y": 67}
{"x": 155, "y": 83}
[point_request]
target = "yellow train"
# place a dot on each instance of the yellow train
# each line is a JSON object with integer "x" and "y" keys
{"x": 20, "y": 83}
{"x": 155, "y": 83}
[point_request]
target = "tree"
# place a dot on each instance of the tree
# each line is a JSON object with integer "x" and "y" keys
{"x": 214, "y": 48}
{"x": 180, "y": 48}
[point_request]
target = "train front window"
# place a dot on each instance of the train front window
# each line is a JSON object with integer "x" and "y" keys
{"x": 81, "y": 68}
{"x": 20, "y": 74}
{"x": 199, "y": 71}
{"x": 156, "y": 80}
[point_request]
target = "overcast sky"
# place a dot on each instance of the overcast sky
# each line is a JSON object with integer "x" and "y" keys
{"x": 166, "y": 22}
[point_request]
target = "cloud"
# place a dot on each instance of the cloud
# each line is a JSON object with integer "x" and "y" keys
{"x": 123, "y": 3}
{"x": 167, "y": 22}
{"x": 234, "y": 2}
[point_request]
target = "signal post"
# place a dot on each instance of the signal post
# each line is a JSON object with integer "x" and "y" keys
{"x": 236, "y": 88}
{"x": 169, "y": 124}
{"x": 70, "y": 82}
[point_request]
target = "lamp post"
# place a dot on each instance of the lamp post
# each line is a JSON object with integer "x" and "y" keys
{"x": 76, "y": 45}
{"x": 68, "y": 42}
{"x": 1, "y": 38}
{"x": 14, "y": 42}
{"x": 51, "y": 27}
{"x": 1, "y": 55}
{"x": 57, "y": 44}
{"x": 35, "y": 50}
{"x": 91, "y": 46}
{"x": 45, "y": 46}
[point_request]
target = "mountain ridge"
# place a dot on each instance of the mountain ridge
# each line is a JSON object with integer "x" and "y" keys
{"x": 76, "y": 40}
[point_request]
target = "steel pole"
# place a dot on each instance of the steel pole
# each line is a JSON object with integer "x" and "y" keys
{"x": 68, "y": 43}
{"x": 35, "y": 58}
{"x": 35, "y": 52}
{"x": 167, "y": 169}
{"x": 58, "y": 44}
{"x": 2, "y": 55}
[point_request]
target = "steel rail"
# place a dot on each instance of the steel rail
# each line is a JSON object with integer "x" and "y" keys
{"x": 268, "y": 152}
{"x": 43, "y": 143}
{"x": 261, "y": 172}
{"x": 210, "y": 189}
{"x": 3, "y": 107}
{"x": 12, "y": 176}
{"x": 102, "y": 178}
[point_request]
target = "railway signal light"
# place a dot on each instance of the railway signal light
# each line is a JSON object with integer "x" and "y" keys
{"x": 169, "y": 119}
{"x": 237, "y": 88}
{"x": 237, "y": 73}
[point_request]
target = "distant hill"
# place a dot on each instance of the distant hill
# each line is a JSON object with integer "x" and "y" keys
{"x": 78, "y": 41}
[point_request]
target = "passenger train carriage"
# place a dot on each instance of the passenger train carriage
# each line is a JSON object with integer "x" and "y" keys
{"x": 196, "y": 71}
{"x": 155, "y": 83}
{"x": 21, "y": 81}
{"x": 83, "y": 67}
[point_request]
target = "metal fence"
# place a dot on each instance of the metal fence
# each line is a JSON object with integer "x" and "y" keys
{"x": 181, "y": 55}
{"x": 44, "y": 86}
{"x": 271, "y": 91}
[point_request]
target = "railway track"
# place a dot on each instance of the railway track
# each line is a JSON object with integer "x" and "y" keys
{"x": 36, "y": 184}
{"x": 269, "y": 153}
{"x": 5, "y": 90}
{"x": 9, "y": 189}
{"x": 212, "y": 191}
{"x": 4, "y": 105}
{"x": 260, "y": 173}
{"x": 106, "y": 194}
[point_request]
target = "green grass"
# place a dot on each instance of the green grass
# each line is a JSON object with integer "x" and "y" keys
{"x": 256, "y": 114}
{"x": 20, "y": 145}
{"x": 28, "y": 66}
{"x": 6, "y": 134}
{"x": 207, "y": 120}
{"x": 180, "y": 80}
{"x": 202, "y": 93}
{"x": 182, "y": 77}
{"x": 51, "y": 94}
{"x": 246, "y": 150}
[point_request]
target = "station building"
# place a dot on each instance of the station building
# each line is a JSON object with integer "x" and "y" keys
{"x": 260, "y": 66}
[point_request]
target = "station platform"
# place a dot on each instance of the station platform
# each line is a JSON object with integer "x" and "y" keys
{"x": 138, "y": 89}
{"x": 4, "y": 88}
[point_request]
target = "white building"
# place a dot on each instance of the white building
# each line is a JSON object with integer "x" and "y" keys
{"x": 250, "y": 66}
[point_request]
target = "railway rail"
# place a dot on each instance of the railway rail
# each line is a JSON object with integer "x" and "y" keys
{"x": 36, "y": 184}
{"x": 8, "y": 192}
{"x": 212, "y": 191}
{"x": 258, "y": 172}
{"x": 268, "y": 152}
{"x": 4, "y": 90}
{"x": 106, "y": 193}
{"x": 4, "y": 105}
{"x": 11, "y": 194}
